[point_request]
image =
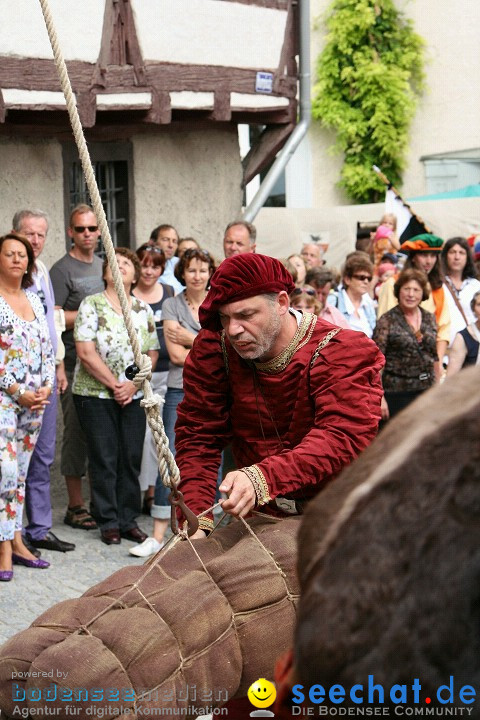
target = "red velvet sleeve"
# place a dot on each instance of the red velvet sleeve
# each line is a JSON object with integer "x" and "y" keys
{"x": 202, "y": 429}
{"x": 346, "y": 391}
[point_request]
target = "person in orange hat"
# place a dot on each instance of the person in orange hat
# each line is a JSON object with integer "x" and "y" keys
{"x": 297, "y": 397}
{"x": 424, "y": 254}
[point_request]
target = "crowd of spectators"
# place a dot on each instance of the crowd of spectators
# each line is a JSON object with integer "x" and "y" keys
{"x": 62, "y": 333}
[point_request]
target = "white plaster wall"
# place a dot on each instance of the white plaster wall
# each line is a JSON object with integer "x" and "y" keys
{"x": 208, "y": 32}
{"x": 31, "y": 175}
{"x": 189, "y": 179}
{"x": 448, "y": 116}
{"x": 205, "y": 32}
{"x": 42, "y": 98}
{"x": 78, "y": 25}
{"x": 298, "y": 176}
{"x": 325, "y": 165}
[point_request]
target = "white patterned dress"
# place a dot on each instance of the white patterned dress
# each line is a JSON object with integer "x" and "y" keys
{"x": 26, "y": 357}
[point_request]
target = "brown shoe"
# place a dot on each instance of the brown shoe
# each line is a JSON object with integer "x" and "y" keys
{"x": 134, "y": 534}
{"x": 111, "y": 537}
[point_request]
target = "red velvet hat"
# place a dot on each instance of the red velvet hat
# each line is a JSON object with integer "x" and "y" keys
{"x": 240, "y": 277}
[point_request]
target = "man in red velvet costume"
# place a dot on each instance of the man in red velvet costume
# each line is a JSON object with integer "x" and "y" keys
{"x": 296, "y": 397}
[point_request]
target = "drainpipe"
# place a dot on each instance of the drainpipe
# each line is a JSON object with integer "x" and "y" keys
{"x": 301, "y": 128}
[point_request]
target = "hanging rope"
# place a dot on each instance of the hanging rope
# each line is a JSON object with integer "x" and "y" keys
{"x": 151, "y": 403}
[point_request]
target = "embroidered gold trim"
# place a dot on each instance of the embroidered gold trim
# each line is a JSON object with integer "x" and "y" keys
{"x": 301, "y": 337}
{"x": 224, "y": 351}
{"x": 205, "y": 523}
{"x": 323, "y": 343}
{"x": 259, "y": 483}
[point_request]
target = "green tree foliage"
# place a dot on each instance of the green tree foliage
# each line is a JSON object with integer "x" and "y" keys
{"x": 370, "y": 75}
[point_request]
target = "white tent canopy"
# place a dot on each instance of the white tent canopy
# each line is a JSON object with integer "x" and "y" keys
{"x": 282, "y": 231}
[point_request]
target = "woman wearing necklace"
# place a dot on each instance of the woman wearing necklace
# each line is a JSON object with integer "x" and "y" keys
{"x": 27, "y": 371}
{"x": 465, "y": 348}
{"x": 181, "y": 326}
{"x": 108, "y": 404}
{"x": 407, "y": 336}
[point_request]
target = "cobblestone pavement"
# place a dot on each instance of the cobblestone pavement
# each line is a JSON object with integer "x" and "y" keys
{"x": 31, "y": 592}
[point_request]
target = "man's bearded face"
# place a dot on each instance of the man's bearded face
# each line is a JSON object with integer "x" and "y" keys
{"x": 252, "y": 326}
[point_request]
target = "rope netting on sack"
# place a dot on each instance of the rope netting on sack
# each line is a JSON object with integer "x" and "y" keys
{"x": 187, "y": 630}
{"x": 193, "y": 627}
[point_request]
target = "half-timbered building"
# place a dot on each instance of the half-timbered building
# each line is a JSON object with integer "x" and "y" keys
{"x": 161, "y": 87}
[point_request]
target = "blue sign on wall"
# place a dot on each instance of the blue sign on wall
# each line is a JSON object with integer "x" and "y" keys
{"x": 264, "y": 82}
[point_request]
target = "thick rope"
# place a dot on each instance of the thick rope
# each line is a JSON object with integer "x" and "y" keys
{"x": 151, "y": 403}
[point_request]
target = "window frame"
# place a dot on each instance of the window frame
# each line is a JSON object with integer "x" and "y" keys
{"x": 104, "y": 152}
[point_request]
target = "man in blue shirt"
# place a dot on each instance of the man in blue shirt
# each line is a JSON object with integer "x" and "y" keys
{"x": 166, "y": 238}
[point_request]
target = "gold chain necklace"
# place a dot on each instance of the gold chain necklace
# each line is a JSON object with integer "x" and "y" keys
{"x": 301, "y": 338}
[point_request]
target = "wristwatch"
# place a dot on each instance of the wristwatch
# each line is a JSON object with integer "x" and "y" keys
{"x": 18, "y": 393}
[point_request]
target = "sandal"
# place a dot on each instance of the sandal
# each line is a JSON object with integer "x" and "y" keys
{"x": 78, "y": 517}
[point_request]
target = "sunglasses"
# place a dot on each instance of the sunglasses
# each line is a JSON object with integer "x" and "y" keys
{"x": 81, "y": 228}
{"x": 299, "y": 291}
{"x": 363, "y": 278}
{"x": 149, "y": 248}
{"x": 196, "y": 251}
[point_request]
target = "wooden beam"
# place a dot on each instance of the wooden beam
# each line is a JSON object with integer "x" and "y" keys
{"x": 287, "y": 55}
{"x": 222, "y": 110}
{"x": 206, "y": 78}
{"x": 87, "y": 108}
{"x": 38, "y": 74}
{"x": 29, "y": 74}
{"x": 274, "y": 4}
{"x": 119, "y": 45}
{"x": 161, "y": 110}
{"x": 272, "y": 139}
{"x": 3, "y": 111}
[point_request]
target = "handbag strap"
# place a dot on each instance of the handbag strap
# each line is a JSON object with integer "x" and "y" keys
{"x": 454, "y": 295}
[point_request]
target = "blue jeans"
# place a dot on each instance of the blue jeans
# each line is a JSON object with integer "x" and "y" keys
{"x": 173, "y": 397}
{"x": 114, "y": 437}
{"x": 161, "y": 506}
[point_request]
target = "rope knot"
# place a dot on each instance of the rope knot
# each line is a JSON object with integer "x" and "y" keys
{"x": 144, "y": 371}
{"x": 153, "y": 401}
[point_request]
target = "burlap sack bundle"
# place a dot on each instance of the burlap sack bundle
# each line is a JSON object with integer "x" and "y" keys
{"x": 188, "y": 629}
{"x": 389, "y": 556}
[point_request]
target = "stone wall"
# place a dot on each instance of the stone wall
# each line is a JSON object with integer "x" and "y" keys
{"x": 31, "y": 175}
{"x": 188, "y": 178}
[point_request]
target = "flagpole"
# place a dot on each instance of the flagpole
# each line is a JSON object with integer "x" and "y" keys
{"x": 389, "y": 185}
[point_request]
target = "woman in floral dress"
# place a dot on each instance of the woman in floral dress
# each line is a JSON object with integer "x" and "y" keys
{"x": 27, "y": 370}
{"x": 108, "y": 404}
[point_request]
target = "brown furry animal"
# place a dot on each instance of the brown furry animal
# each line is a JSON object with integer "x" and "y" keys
{"x": 389, "y": 555}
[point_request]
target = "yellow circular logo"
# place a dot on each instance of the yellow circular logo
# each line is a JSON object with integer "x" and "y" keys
{"x": 262, "y": 693}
